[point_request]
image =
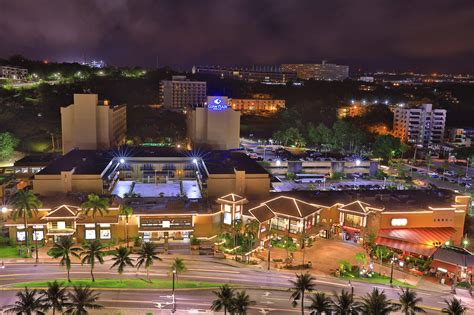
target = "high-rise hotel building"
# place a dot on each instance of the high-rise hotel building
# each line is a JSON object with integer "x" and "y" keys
{"x": 90, "y": 125}
{"x": 180, "y": 93}
{"x": 422, "y": 126}
{"x": 318, "y": 71}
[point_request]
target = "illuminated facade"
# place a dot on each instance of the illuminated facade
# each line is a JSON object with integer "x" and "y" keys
{"x": 323, "y": 71}
{"x": 257, "y": 105}
{"x": 179, "y": 93}
{"x": 88, "y": 124}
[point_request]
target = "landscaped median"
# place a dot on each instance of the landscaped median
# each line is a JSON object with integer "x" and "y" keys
{"x": 124, "y": 284}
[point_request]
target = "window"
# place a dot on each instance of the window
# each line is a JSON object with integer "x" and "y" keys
{"x": 166, "y": 224}
{"x": 399, "y": 222}
{"x": 20, "y": 236}
{"x": 90, "y": 235}
{"x": 105, "y": 234}
{"x": 61, "y": 225}
{"x": 227, "y": 218}
{"x": 89, "y": 226}
{"x": 38, "y": 235}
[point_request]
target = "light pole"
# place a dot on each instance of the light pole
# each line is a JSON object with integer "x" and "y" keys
{"x": 269, "y": 248}
{"x": 391, "y": 269}
{"x": 352, "y": 287}
{"x": 173, "y": 310}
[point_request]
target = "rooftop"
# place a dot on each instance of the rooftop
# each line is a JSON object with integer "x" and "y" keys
{"x": 82, "y": 161}
{"x": 37, "y": 159}
{"x": 227, "y": 162}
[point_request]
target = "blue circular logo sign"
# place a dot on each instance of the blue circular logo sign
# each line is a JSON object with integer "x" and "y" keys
{"x": 217, "y": 104}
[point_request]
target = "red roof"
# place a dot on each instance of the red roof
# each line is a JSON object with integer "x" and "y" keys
{"x": 419, "y": 249}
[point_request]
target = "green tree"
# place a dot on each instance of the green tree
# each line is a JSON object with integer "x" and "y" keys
{"x": 81, "y": 299}
{"x": 361, "y": 258}
{"x": 320, "y": 304}
{"x": 376, "y": 303}
{"x": 64, "y": 249}
{"x": 92, "y": 252}
{"x": 8, "y": 143}
{"x": 304, "y": 283}
{"x": 147, "y": 255}
{"x": 26, "y": 204}
{"x": 320, "y": 135}
{"x": 178, "y": 266}
{"x": 386, "y": 147}
{"x": 344, "y": 304}
{"x": 27, "y": 303}
{"x": 122, "y": 259}
{"x": 251, "y": 231}
{"x": 382, "y": 252}
{"x": 96, "y": 205}
{"x": 409, "y": 302}
{"x": 240, "y": 303}
{"x": 125, "y": 212}
{"x": 454, "y": 307}
{"x": 54, "y": 297}
{"x": 224, "y": 299}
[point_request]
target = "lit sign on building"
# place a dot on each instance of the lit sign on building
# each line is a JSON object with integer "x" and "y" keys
{"x": 217, "y": 103}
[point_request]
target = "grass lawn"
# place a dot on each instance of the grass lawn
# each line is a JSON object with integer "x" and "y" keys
{"x": 9, "y": 252}
{"x": 378, "y": 280}
{"x": 126, "y": 283}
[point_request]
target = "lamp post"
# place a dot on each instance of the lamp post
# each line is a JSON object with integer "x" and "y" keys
{"x": 391, "y": 269}
{"x": 269, "y": 248}
{"x": 173, "y": 310}
{"x": 351, "y": 286}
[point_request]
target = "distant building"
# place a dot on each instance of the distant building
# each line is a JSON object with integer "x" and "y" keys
{"x": 180, "y": 93}
{"x": 263, "y": 74}
{"x": 13, "y": 73}
{"x": 216, "y": 125}
{"x": 323, "y": 71}
{"x": 258, "y": 104}
{"x": 462, "y": 137}
{"x": 88, "y": 124}
{"x": 422, "y": 126}
{"x": 357, "y": 109}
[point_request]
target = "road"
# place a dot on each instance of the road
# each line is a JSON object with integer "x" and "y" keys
{"x": 267, "y": 288}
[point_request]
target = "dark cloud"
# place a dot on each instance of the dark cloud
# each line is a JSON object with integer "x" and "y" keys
{"x": 424, "y": 35}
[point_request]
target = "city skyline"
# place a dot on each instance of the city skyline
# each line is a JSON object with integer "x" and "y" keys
{"x": 369, "y": 36}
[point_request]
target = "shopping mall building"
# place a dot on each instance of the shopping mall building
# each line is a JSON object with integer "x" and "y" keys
{"x": 176, "y": 193}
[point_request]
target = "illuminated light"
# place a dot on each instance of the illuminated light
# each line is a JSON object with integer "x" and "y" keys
{"x": 178, "y": 146}
{"x": 217, "y": 104}
{"x": 195, "y": 161}
{"x": 447, "y": 243}
{"x": 358, "y": 162}
{"x": 122, "y": 161}
{"x": 278, "y": 162}
{"x": 4, "y": 209}
{"x": 399, "y": 222}
{"x": 352, "y": 101}
{"x": 465, "y": 242}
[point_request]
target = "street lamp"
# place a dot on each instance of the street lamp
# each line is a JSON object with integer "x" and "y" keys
{"x": 4, "y": 209}
{"x": 269, "y": 248}
{"x": 392, "y": 261}
{"x": 173, "y": 310}
{"x": 122, "y": 161}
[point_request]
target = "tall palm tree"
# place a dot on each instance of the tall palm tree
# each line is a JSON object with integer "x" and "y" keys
{"x": 251, "y": 231}
{"x": 409, "y": 302}
{"x": 126, "y": 212}
{"x": 178, "y": 266}
{"x": 64, "y": 249}
{"x": 82, "y": 298}
{"x": 147, "y": 255}
{"x": 224, "y": 299}
{"x": 96, "y": 205}
{"x": 304, "y": 283}
{"x": 320, "y": 303}
{"x": 27, "y": 303}
{"x": 454, "y": 307}
{"x": 344, "y": 304}
{"x": 55, "y": 297}
{"x": 122, "y": 259}
{"x": 26, "y": 204}
{"x": 91, "y": 252}
{"x": 376, "y": 303}
{"x": 240, "y": 303}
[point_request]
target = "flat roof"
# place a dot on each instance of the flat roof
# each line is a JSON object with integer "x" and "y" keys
{"x": 227, "y": 162}
{"x": 37, "y": 159}
{"x": 82, "y": 161}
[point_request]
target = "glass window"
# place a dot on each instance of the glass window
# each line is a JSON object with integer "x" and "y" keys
{"x": 105, "y": 234}
{"x": 104, "y": 225}
{"x": 227, "y": 218}
{"x": 61, "y": 225}
{"x": 20, "y": 236}
{"x": 227, "y": 208}
{"x": 89, "y": 225}
{"x": 38, "y": 235}
{"x": 90, "y": 235}
{"x": 166, "y": 224}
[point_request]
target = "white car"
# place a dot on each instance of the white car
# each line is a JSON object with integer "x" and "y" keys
{"x": 448, "y": 173}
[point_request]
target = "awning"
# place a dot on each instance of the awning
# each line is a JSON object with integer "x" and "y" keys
{"x": 425, "y": 250}
{"x": 422, "y": 236}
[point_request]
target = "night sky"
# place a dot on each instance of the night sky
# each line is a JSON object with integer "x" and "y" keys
{"x": 413, "y": 35}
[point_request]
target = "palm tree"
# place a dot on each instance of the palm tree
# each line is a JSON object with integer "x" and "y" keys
{"x": 27, "y": 303}
{"x": 122, "y": 259}
{"x": 236, "y": 228}
{"x": 251, "y": 231}
{"x": 241, "y": 303}
{"x": 55, "y": 297}
{"x": 408, "y": 302}
{"x": 376, "y": 303}
{"x": 64, "y": 249}
{"x": 147, "y": 254}
{"x": 320, "y": 303}
{"x": 454, "y": 307}
{"x": 82, "y": 298}
{"x": 96, "y": 205}
{"x": 92, "y": 251}
{"x": 178, "y": 266}
{"x": 126, "y": 212}
{"x": 26, "y": 204}
{"x": 344, "y": 304}
{"x": 224, "y": 299}
{"x": 303, "y": 283}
